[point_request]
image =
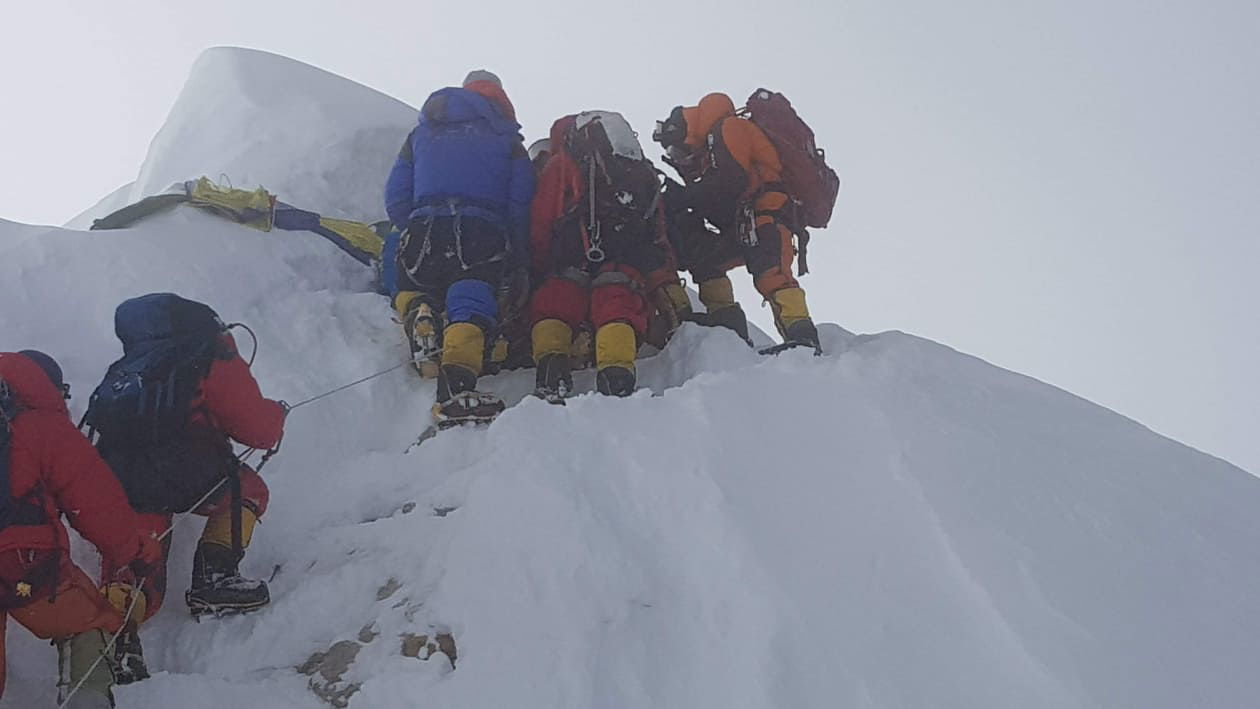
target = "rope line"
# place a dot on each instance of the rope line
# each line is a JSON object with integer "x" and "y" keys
{"x": 137, "y": 593}
{"x": 243, "y": 458}
{"x": 354, "y": 383}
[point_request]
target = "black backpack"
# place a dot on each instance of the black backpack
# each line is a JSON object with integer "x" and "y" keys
{"x": 13, "y": 511}
{"x": 141, "y": 410}
{"x": 621, "y": 187}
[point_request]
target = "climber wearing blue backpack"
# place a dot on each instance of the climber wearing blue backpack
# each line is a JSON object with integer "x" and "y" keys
{"x": 461, "y": 190}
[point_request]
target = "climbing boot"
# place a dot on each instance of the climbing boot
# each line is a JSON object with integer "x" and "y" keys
{"x": 128, "y": 655}
{"x": 791, "y": 317}
{"x": 802, "y": 333}
{"x": 217, "y": 585}
{"x": 616, "y": 344}
{"x": 615, "y": 381}
{"x": 424, "y": 336}
{"x": 732, "y": 318}
{"x": 552, "y": 342}
{"x": 86, "y": 678}
{"x": 129, "y": 665}
{"x": 554, "y": 380}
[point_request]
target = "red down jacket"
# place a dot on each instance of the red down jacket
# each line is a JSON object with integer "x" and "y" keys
{"x": 233, "y": 404}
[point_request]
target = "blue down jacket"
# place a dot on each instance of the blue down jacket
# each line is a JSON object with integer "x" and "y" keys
{"x": 464, "y": 149}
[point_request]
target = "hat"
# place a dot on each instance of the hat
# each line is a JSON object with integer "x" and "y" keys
{"x": 48, "y": 364}
{"x": 482, "y": 75}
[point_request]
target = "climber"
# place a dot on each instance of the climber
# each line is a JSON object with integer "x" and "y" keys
{"x": 732, "y": 180}
{"x": 461, "y": 187}
{"x": 48, "y": 469}
{"x": 599, "y": 253}
{"x": 165, "y": 416}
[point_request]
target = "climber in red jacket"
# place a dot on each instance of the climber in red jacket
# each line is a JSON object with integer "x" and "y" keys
{"x": 51, "y": 470}
{"x": 227, "y": 405}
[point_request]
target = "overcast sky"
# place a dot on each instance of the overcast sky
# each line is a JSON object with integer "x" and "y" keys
{"x": 1067, "y": 188}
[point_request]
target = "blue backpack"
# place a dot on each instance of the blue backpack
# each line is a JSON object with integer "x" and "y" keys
{"x": 146, "y": 397}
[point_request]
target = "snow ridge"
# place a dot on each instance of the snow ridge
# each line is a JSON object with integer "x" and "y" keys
{"x": 894, "y": 524}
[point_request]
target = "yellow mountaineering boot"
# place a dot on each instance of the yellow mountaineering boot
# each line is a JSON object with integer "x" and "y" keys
{"x": 128, "y": 655}
{"x": 423, "y": 327}
{"x": 615, "y": 347}
{"x": 718, "y": 296}
{"x": 552, "y": 341}
{"x": 791, "y": 317}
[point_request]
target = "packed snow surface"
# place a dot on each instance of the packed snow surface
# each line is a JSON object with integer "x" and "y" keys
{"x": 894, "y": 524}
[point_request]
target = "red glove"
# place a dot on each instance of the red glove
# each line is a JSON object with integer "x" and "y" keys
{"x": 148, "y": 556}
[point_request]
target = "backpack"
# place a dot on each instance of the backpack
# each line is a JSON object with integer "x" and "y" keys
{"x": 31, "y": 575}
{"x": 168, "y": 345}
{"x": 13, "y": 511}
{"x": 621, "y": 188}
{"x": 806, "y": 175}
{"x": 141, "y": 410}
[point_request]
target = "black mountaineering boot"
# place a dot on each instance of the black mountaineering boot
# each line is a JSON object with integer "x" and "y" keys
{"x": 458, "y": 401}
{"x": 217, "y": 585}
{"x": 129, "y": 665}
{"x": 615, "y": 381}
{"x": 731, "y": 317}
{"x": 554, "y": 380}
{"x": 802, "y": 333}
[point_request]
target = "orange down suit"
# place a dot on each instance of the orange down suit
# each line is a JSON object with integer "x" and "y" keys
{"x": 738, "y": 166}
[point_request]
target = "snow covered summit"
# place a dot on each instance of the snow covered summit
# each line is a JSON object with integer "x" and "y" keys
{"x": 894, "y": 524}
{"x": 251, "y": 118}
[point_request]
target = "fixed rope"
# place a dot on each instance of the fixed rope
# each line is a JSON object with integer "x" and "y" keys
{"x": 243, "y": 458}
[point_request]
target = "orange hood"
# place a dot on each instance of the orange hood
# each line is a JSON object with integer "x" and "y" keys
{"x": 496, "y": 94}
{"x": 702, "y": 117}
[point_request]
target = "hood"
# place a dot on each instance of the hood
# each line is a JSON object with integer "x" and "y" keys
{"x": 452, "y": 105}
{"x": 30, "y": 385}
{"x": 702, "y": 117}
{"x": 495, "y": 93}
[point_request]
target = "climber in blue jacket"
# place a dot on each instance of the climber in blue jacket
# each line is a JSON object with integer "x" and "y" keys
{"x": 461, "y": 191}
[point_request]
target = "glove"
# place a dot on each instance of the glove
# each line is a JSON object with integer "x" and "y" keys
{"x": 285, "y": 406}
{"x": 148, "y": 556}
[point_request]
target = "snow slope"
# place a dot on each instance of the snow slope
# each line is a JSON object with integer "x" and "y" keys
{"x": 892, "y": 525}
{"x": 895, "y": 524}
{"x": 251, "y": 118}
